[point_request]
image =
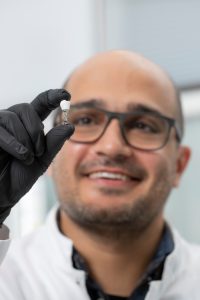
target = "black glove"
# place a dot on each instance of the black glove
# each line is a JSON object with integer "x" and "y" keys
{"x": 25, "y": 152}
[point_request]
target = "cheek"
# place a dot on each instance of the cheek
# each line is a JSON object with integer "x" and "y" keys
{"x": 67, "y": 161}
{"x": 159, "y": 165}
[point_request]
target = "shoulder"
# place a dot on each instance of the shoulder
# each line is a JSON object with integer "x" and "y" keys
{"x": 44, "y": 247}
{"x": 181, "y": 274}
{"x": 186, "y": 249}
{"x": 40, "y": 266}
{"x": 184, "y": 261}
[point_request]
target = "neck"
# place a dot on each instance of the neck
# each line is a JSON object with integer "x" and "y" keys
{"x": 116, "y": 263}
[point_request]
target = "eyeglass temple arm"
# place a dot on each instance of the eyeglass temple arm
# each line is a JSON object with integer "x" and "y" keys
{"x": 179, "y": 133}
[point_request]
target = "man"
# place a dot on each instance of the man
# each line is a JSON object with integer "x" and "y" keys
{"x": 108, "y": 238}
{"x": 25, "y": 152}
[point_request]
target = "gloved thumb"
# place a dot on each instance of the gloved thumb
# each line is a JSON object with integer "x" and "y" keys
{"x": 55, "y": 139}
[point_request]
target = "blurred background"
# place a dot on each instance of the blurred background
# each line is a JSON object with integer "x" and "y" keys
{"x": 41, "y": 43}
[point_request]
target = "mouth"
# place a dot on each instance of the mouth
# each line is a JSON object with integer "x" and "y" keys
{"x": 109, "y": 176}
{"x": 112, "y": 178}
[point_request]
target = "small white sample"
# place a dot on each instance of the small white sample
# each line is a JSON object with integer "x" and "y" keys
{"x": 65, "y": 106}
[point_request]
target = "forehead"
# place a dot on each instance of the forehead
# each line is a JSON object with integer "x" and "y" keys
{"x": 120, "y": 82}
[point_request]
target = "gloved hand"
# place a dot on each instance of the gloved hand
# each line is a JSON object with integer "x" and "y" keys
{"x": 25, "y": 152}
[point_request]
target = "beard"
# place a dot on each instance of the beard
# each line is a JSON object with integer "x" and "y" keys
{"x": 123, "y": 220}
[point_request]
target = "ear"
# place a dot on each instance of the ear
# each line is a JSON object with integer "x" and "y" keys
{"x": 183, "y": 158}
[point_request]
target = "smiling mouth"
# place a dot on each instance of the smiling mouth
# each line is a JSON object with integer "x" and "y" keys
{"x": 111, "y": 176}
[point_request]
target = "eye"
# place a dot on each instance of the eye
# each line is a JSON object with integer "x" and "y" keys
{"x": 149, "y": 128}
{"x": 86, "y": 117}
{"x": 146, "y": 124}
{"x": 83, "y": 120}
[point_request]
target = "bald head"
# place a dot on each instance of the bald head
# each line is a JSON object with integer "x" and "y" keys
{"x": 125, "y": 71}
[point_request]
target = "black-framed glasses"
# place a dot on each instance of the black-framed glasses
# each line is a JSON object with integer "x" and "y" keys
{"x": 141, "y": 130}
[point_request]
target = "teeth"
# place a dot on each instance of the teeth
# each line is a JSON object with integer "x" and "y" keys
{"x": 108, "y": 175}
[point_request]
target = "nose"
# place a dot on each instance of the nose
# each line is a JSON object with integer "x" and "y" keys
{"x": 112, "y": 143}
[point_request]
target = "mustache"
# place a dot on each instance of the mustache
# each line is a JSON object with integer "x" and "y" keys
{"x": 133, "y": 169}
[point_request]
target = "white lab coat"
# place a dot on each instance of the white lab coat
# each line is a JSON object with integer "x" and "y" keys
{"x": 39, "y": 267}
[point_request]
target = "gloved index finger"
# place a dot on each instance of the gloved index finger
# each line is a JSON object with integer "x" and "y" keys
{"x": 47, "y": 101}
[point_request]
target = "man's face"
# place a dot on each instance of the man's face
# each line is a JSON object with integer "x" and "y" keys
{"x": 109, "y": 183}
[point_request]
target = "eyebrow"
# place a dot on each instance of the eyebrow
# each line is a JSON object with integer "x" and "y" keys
{"x": 90, "y": 103}
{"x": 131, "y": 107}
{"x": 137, "y": 107}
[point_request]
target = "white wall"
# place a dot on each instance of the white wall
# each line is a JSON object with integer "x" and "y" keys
{"x": 164, "y": 31}
{"x": 41, "y": 42}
